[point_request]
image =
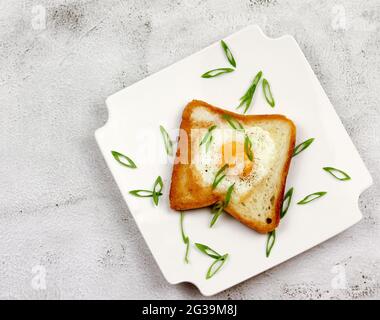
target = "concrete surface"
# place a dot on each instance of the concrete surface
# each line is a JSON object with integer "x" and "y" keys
{"x": 65, "y": 231}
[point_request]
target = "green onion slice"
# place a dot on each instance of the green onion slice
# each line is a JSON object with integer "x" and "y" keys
{"x": 155, "y": 193}
{"x": 208, "y": 251}
{"x": 338, "y": 174}
{"x": 302, "y": 146}
{"x": 167, "y": 141}
{"x": 187, "y": 251}
{"x": 270, "y": 242}
{"x": 285, "y": 206}
{"x": 218, "y": 208}
{"x": 216, "y": 266}
{"x": 185, "y": 239}
{"x": 268, "y": 93}
{"x": 219, "y": 176}
{"x": 157, "y": 188}
{"x": 235, "y": 124}
{"x": 246, "y": 99}
{"x": 228, "y": 195}
{"x": 286, "y": 202}
{"x": 143, "y": 193}
{"x": 228, "y": 53}
{"x": 271, "y": 239}
{"x": 124, "y": 160}
{"x": 248, "y": 147}
{"x": 312, "y": 197}
{"x": 219, "y": 205}
{"x": 208, "y": 143}
{"x": 216, "y": 72}
{"x": 208, "y": 135}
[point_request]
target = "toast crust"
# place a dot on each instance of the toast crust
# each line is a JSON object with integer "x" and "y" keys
{"x": 186, "y": 193}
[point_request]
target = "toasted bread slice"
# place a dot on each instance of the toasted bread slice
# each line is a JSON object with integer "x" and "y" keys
{"x": 260, "y": 207}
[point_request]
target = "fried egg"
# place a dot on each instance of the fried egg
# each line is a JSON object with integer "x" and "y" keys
{"x": 225, "y": 147}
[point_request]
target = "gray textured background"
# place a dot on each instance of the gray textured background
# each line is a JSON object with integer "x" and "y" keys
{"x": 60, "y": 208}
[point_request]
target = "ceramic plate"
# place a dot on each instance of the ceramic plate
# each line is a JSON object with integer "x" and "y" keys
{"x": 135, "y": 114}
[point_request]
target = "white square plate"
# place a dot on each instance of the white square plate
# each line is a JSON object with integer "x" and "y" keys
{"x": 136, "y": 112}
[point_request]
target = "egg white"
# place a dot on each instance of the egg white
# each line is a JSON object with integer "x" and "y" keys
{"x": 208, "y": 161}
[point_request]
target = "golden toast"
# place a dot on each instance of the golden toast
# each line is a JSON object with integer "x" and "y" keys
{"x": 258, "y": 195}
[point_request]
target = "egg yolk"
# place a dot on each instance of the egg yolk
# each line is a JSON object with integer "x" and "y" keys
{"x": 233, "y": 153}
